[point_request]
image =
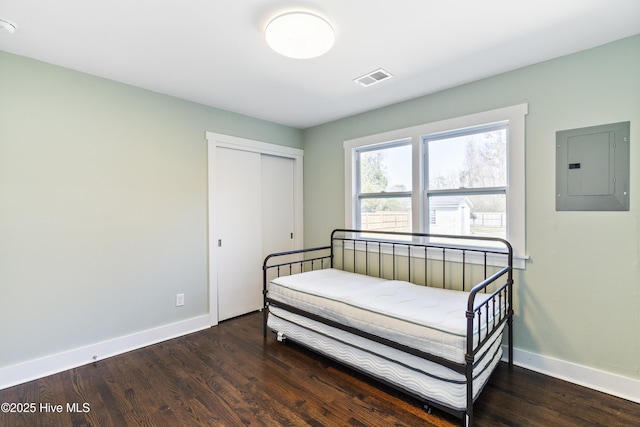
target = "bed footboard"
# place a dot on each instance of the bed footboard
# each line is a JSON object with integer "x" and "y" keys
{"x": 288, "y": 263}
{"x": 497, "y": 307}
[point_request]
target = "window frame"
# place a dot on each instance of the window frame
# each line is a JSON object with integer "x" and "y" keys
{"x": 360, "y": 196}
{"x": 461, "y": 191}
{"x": 515, "y": 192}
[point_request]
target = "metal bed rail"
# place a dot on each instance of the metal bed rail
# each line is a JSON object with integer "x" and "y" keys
{"x": 425, "y": 259}
{"x": 291, "y": 262}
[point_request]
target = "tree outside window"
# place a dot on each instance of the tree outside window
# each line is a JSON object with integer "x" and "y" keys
{"x": 466, "y": 181}
{"x": 384, "y": 190}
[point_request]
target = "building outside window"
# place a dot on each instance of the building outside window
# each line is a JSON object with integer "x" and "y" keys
{"x": 465, "y": 181}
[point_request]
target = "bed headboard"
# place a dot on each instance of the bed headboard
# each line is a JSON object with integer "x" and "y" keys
{"x": 447, "y": 261}
{"x": 452, "y": 262}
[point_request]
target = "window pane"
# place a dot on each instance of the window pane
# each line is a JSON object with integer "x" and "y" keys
{"x": 476, "y": 215}
{"x": 385, "y": 214}
{"x": 386, "y": 169}
{"x": 468, "y": 161}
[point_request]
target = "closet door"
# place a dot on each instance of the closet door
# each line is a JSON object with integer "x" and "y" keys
{"x": 255, "y": 217}
{"x": 239, "y": 232}
{"x": 277, "y": 204}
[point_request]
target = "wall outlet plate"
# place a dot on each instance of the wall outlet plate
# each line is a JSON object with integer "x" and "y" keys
{"x": 179, "y": 300}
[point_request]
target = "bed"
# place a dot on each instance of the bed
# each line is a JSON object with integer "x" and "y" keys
{"x": 425, "y": 314}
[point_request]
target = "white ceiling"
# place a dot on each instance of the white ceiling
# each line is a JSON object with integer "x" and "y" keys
{"x": 213, "y": 51}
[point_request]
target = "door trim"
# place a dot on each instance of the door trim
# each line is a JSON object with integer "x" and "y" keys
{"x": 215, "y": 140}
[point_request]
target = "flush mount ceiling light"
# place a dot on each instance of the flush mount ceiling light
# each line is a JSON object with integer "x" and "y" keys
{"x": 10, "y": 27}
{"x": 300, "y": 35}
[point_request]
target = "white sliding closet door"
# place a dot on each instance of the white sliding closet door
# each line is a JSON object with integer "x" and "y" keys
{"x": 254, "y": 217}
{"x": 239, "y": 232}
{"x": 277, "y": 204}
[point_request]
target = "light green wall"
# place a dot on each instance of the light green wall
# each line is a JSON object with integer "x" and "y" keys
{"x": 579, "y": 298}
{"x": 103, "y": 206}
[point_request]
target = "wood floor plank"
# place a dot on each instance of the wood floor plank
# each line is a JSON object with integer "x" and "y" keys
{"x": 231, "y": 376}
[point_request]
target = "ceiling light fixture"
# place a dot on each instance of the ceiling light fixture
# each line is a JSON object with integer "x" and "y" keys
{"x": 300, "y": 35}
{"x": 10, "y": 27}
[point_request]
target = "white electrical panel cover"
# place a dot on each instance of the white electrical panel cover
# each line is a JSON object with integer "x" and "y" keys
{"x": 592, "y": 168}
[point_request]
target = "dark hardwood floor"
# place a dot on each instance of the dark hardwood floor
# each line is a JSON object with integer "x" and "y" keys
{"x": 230, "y": 376}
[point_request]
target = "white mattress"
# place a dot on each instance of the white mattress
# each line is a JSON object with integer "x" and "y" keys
{"x": 421, "y": 377}
{"x": 429, "y": 319}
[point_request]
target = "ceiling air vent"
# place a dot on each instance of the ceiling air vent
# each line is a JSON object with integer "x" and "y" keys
{"x": 373, "y": 77}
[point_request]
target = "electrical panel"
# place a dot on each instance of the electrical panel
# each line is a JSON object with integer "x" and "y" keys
{"x": 592, "y": 168}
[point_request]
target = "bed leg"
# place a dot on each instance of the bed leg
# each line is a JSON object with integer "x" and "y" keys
{"x": 427, "y": 408}
{"x": 510, "y": 326}
{"x": 467, "y": 420}
{"x": 265, "y": 312}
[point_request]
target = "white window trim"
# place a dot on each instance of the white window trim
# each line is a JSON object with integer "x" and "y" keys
{"x": 515, "y": 115}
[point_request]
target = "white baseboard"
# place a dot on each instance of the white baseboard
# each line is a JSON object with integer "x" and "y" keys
{"x": 606, "y": 382}
{"x": 616, "y": 385}
{"x": 48, "y": 365}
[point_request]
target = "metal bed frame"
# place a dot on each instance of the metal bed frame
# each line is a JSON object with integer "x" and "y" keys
{"x": 414, "y": 257}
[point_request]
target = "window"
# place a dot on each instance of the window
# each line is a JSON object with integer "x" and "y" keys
{"x": 384, "y": 183}
{"x": 465, "y": 181}
{"x": 458, "y": 176}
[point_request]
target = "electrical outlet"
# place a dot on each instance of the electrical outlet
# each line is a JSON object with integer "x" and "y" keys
{"x": 179, "y": 300}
